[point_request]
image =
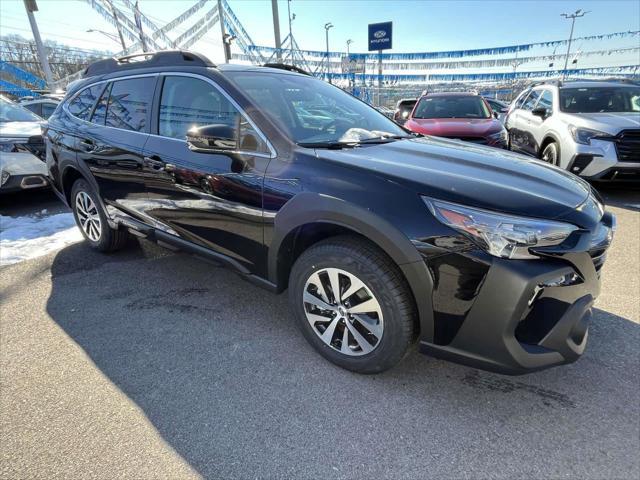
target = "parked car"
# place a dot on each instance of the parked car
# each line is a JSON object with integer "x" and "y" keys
{"x": 403, "y": 109}
{"x": 498, "y": 107}
{"x": 42, "y": 106}
{"x": 22, "y": 164}
{"x": 381, "y": 237}
{"x": 590, "y": 128}
{"x": 463, "y": 116}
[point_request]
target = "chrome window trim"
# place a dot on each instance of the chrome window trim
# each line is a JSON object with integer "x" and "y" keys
{"x": 235, "y": 104}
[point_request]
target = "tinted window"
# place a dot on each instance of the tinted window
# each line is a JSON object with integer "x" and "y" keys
{"x": 531, "y": 100}
{"x": 34, "y": 107}
{"x": 100, "y": 112}
{"x": 48, "y": 109}
{"x": 546, "y": 100}
{"x": 451, "y": 107}
{"x": 310, "y": 110}
{"x": 129, "y": 103}
{"x": 600, "y": 99}
{"x": 11, "y": 112}
{"x": 188, "y": 102}
{"x": 521, "y": 99}
{"x": 83, "y": 103}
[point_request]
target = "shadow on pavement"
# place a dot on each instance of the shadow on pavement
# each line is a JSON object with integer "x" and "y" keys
{"x": 219, "y": 368}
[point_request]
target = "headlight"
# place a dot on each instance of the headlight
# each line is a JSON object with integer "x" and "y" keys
{"x": 501, "y": 135}
{"x": 4, "y": 177}
{"x": 499, "y": 234}
{"x": 584, "y": 135}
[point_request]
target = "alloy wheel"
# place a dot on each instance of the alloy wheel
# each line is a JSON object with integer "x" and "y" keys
{"x": 88, "y": 216}
{"x": 550, "y": 154}
{"x": 343, "y": 311}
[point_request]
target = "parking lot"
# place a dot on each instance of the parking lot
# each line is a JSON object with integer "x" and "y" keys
{"x": 150, "y": 364}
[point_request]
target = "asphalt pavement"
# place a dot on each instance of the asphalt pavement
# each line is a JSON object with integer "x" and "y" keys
{"x": 149, "y": 364}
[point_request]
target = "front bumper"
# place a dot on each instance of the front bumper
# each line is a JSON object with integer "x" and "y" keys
{"x": 599, "y": 161}
{"x": 516, "y": 316}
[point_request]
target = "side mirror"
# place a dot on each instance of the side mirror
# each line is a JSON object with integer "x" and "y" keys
{"x": 539, "y": 112}
{"x": 496, "y": 114}
{"x": 212, "y": 138}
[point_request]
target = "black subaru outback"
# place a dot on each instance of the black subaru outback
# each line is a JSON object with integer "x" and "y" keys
{"x": 382, "y": 238}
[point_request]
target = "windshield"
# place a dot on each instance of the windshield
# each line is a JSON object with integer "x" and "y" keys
{"x": 312, "y": 111}
{"x": 451, "y": 107}
{"x": 10, "y": 112}
{"x": 600, "y": 99}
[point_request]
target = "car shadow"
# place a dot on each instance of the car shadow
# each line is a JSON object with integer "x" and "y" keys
{"x": 219, "y": 368}
{"x": 624, "y": 195}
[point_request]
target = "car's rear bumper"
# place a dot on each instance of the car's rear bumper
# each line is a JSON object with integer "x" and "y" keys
{"x": 515, "y": 316}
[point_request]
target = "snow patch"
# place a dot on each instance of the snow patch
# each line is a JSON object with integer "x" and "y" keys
{"x": 32, "y": 236}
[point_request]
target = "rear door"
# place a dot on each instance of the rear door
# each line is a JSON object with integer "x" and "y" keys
{"x": 213, "y": 200}
{"x": 111, "y": 144}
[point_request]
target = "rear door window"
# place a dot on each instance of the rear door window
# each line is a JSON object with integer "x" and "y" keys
{"x": 48, "y": 109}
{"x": 100, "y": 112}
{"x": 129, "y": 103}
{"x": 82, "y": 104}
{"x": 35, "y": 108}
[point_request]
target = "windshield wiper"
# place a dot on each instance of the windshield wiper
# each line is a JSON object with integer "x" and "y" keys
{"x": 329, "y": 145}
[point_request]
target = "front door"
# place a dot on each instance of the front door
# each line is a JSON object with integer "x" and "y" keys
{"x": 211, "y": 199}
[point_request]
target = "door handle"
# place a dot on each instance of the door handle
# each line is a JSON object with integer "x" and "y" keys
{"x": 156, "y": 164}
{"x": 87, "y": 145}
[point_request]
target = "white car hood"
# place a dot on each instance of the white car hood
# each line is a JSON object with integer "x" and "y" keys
{"x": 20, "y": 129}
{"x": 611, "y": 123}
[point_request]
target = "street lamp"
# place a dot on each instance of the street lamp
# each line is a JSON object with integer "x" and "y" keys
{"x": 106, "y": 34}
{"x": 226, "y": 40}
{"x": 328, "y": 26}
{"x": 577, "y": 14}
{"x": 349, "y": 42}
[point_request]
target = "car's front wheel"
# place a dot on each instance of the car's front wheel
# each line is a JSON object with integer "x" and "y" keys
{"x": 92, "y": 219}
{"x": 551, "y": 154}
{"x": 352, "y": 304}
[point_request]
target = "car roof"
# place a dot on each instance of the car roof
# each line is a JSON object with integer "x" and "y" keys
{"x": 579, "y": 84}
{"x": 451, "y": 94}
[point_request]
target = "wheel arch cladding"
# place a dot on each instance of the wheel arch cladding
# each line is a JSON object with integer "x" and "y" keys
{"x": 69, "y": 176}
{"x": 317, "y": 217}
{"x": 549, "y": 138}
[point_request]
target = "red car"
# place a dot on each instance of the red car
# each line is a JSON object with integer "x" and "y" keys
{"x": 465, "y": 116}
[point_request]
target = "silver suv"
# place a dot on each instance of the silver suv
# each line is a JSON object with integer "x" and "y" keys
{"x": 590, "y": 128}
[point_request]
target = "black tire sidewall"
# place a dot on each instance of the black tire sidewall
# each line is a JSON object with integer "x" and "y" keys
{"x": 394, "y": 342}
{"x": 105, "y": 230}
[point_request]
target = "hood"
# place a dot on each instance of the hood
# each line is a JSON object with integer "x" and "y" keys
{"x": 473, "y": 175}
{"x": 611, "y": 123}
{"x": 455, "y": 127}
{"x": 20, "y": 129}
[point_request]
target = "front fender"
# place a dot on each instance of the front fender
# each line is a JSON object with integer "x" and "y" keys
{"x": 307, "y": 207}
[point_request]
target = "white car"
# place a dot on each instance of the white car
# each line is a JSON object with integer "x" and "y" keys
{"x": 42, "y": 106}
{"x": 590, "y": 128}
{"x": 21, "y": 149}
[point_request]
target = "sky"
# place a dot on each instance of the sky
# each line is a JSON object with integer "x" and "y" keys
{"x": 419, "y": 25}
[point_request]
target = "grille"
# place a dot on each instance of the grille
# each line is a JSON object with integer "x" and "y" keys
{"x": 628, "y": 146}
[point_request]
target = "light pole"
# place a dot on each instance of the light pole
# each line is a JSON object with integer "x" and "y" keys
{"x": 291, "y": 19}
{"x": 349, "y": 42}
{"x": 328, "y": 26}
{"x": 577, "y": 14}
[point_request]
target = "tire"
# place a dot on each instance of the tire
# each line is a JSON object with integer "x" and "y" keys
{"x": 378, "y": 337}
{"x": 94, "y": 225}
{"x": 551, "y": 154}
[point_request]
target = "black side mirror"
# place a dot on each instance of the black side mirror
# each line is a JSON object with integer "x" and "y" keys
{"x": 539, "y": 112}
{"x": 495, "y": 114}
{"x": 212, "y": 138}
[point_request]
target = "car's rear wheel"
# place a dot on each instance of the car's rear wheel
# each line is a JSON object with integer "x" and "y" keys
{"x": 352, "y": 304}
{"x": 92, "y": 220}
{"x": 551, "y": 154}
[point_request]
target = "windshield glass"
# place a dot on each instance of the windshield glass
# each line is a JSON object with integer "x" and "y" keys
{"x": 312, "y": 111}
{"x": 10, "y": 112}
{"x": 451, "y": 107}
{"x": 600, "y": 99}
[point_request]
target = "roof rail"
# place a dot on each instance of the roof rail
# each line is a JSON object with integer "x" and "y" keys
{"x": 288, "y": 68}
{"x": 162, "y": 58}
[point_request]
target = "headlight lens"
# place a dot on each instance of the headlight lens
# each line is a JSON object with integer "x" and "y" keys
{"x": 4, "y": 177}
{"x": 501, "y": 135}
{"x": 584, "y": 135}
{"x": 500, "y": 235}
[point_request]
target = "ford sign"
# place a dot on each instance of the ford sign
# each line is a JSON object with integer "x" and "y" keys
{"x": 380, "y": 36}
